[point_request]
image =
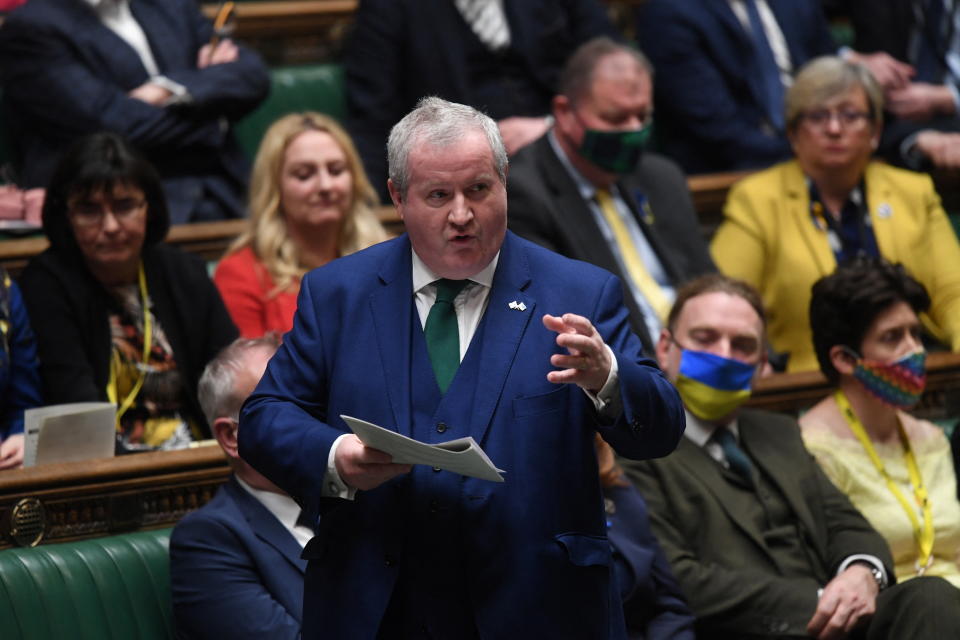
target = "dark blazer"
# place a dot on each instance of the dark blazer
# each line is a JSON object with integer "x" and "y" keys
{"x": 235, "y": 571}
{"x": 530, "y": 556}
{"x": 402, "y": 50}
{"x": 730, "y": 577}
{"x": 710, "y": 113}
{"x": 888, "y": 26}
{"x": 65, "y": 74}
{"x": 69, "y": 312}
{"x": 546, "y": 207}
{"x": 654, "y": 606}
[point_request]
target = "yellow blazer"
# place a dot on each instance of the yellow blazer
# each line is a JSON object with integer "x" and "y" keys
{"x": 768, "y": 239}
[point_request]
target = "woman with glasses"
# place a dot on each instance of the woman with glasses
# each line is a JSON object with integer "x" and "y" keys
{"x": 119, "y": 316}
{"x": 787, "y": 226}
{"x": 896, "y": 470}
{"x": 310, "y": 203}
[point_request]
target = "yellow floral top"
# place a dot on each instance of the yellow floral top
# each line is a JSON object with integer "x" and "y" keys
{"x": 847, "y": 465}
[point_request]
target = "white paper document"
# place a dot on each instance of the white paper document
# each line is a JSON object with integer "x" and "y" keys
{"x": 69, "y": 432}
{"x": 463, "y": 455}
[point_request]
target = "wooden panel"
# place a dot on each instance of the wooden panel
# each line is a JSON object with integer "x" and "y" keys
{"x": 101, "y": 497}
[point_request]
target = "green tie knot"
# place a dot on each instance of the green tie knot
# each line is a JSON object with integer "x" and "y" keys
{"x": 448, "y": 290}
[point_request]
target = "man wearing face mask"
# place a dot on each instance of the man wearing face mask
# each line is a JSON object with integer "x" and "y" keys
{"x": 588, "y": 190}
{"x": 762, "y": 544}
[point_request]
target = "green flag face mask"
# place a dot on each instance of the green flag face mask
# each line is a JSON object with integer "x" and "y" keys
{"x": 614, "y": 151}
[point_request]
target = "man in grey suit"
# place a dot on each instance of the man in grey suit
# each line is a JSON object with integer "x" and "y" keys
{"x": 763, "y": 545}
{"x": 589, "y": 191}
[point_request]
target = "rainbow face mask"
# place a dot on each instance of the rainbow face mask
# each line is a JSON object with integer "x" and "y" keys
{"x": 712, "y": 386}
{"x": 899, "y": 383}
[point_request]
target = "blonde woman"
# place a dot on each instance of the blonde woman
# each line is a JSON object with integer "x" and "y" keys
{"x": 310, "y": 203}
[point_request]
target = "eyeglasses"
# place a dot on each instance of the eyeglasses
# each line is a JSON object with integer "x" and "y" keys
{"x": 91, "y": 214}
{"x": 847, "y": 119}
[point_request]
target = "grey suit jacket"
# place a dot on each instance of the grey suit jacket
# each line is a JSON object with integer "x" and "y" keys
{"x": 546, "y": 207}
{"x": 732, "y": 581}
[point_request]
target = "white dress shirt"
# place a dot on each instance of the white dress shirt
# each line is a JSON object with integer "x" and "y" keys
{"x": 283, "y": 509}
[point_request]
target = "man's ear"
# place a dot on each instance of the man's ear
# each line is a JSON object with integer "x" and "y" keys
{"x": 395, "y": 197}
{"x": 842, "y": 360}
{"x": 664, "y": 344}
{"x": 225, "y": 431}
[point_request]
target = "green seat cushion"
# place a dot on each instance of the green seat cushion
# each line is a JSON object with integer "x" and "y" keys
{"x": 116, "y": 587}
{"x": 315, "y": 87}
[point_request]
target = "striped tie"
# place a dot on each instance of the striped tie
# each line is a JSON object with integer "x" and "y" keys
{"x": 487, "y": 20}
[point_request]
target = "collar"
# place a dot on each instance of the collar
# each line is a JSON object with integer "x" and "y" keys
{"x": 280, "y": 505}
{"x": 584, "y": 186}
{"x": 699, "y": 432}
{"x": 423, "y": 275}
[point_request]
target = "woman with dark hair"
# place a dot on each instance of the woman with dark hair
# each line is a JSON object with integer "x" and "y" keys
{"x": 118, "y": 315}
{"x": 896, "y": 469}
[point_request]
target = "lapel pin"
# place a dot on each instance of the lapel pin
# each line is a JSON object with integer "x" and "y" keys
{"x": 519, "y": 306}
{"x": 884, "y": 211}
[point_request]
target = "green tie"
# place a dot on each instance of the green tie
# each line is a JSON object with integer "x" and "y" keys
{"x": 443, "y": 337}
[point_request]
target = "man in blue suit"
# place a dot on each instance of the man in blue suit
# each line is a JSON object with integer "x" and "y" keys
{"x": 145, "y": 69}
{"x": 714, "y": 112}
{"x": 235, "y": 566}
{"x": 542, "y": 358}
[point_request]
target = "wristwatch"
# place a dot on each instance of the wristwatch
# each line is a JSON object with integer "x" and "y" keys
{"x": 875, "y": 571}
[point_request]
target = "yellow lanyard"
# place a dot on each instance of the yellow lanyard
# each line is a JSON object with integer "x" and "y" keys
{"x": 115, "y": 364}
{"x": 923, "y": 535}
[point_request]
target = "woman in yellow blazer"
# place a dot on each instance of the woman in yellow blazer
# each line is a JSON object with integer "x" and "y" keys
{"x": 787, "y": 226}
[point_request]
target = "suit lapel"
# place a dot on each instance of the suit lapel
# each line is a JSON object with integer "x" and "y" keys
{"x": 266, "y": 526}
{"x": 748, "y": 72}
{"x": 635, "y": 196}
{"x": 699, "y": 464}
{"x": 777, "y": 462}
{"x": 882, "y": 215}
{"x": 503, "y": 328}
{"x": 392, "y": 310}
{"x": 798, "y": 213}
{"x": 157, "y": 30}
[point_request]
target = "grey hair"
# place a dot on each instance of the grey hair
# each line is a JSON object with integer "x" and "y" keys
{"x": 828, "y": 77}
{"x": 576, "y": 78}
{"x": 216, "y": 389}
{"x": 439, "y": 123}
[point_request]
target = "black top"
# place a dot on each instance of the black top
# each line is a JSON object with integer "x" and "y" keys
{"x": 69, "y": 310}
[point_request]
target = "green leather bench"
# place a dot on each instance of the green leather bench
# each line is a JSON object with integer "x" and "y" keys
{"x": 111, "y": 588}
{"x": 313, "y": 87}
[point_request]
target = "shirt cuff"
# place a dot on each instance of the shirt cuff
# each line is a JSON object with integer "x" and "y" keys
{"x": 333, "y": 484}
{"x": 179, "y": 93}
{"x": 912, "y": 157}
{"x": 871, "y": 560}
{"x": 607, "y": 400}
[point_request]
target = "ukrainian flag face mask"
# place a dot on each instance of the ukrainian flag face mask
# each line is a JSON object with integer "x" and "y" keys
{"x": 712, "y": 386}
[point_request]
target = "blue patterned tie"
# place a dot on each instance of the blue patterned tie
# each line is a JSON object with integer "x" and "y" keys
{"x": 442, "y": 334}
{"x": 773, "y": 85}
{"x": 736, "y": 458}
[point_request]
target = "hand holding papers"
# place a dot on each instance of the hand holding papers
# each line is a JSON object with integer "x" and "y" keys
{"x": 463, "y": 455}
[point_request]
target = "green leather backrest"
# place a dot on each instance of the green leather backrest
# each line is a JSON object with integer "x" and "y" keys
{"x": 111, "y": 588}
{"x": 313, "y": 87}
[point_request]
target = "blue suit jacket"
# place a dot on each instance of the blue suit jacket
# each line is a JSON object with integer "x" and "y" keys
{"x": 65, "y": 74}
{"x": 534, "y": 551}
{"x": 655, "y": 607}
{"x": 235, "y": 571}
{"x": 403, "y": 50}
{"x": 708, "y": 94}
